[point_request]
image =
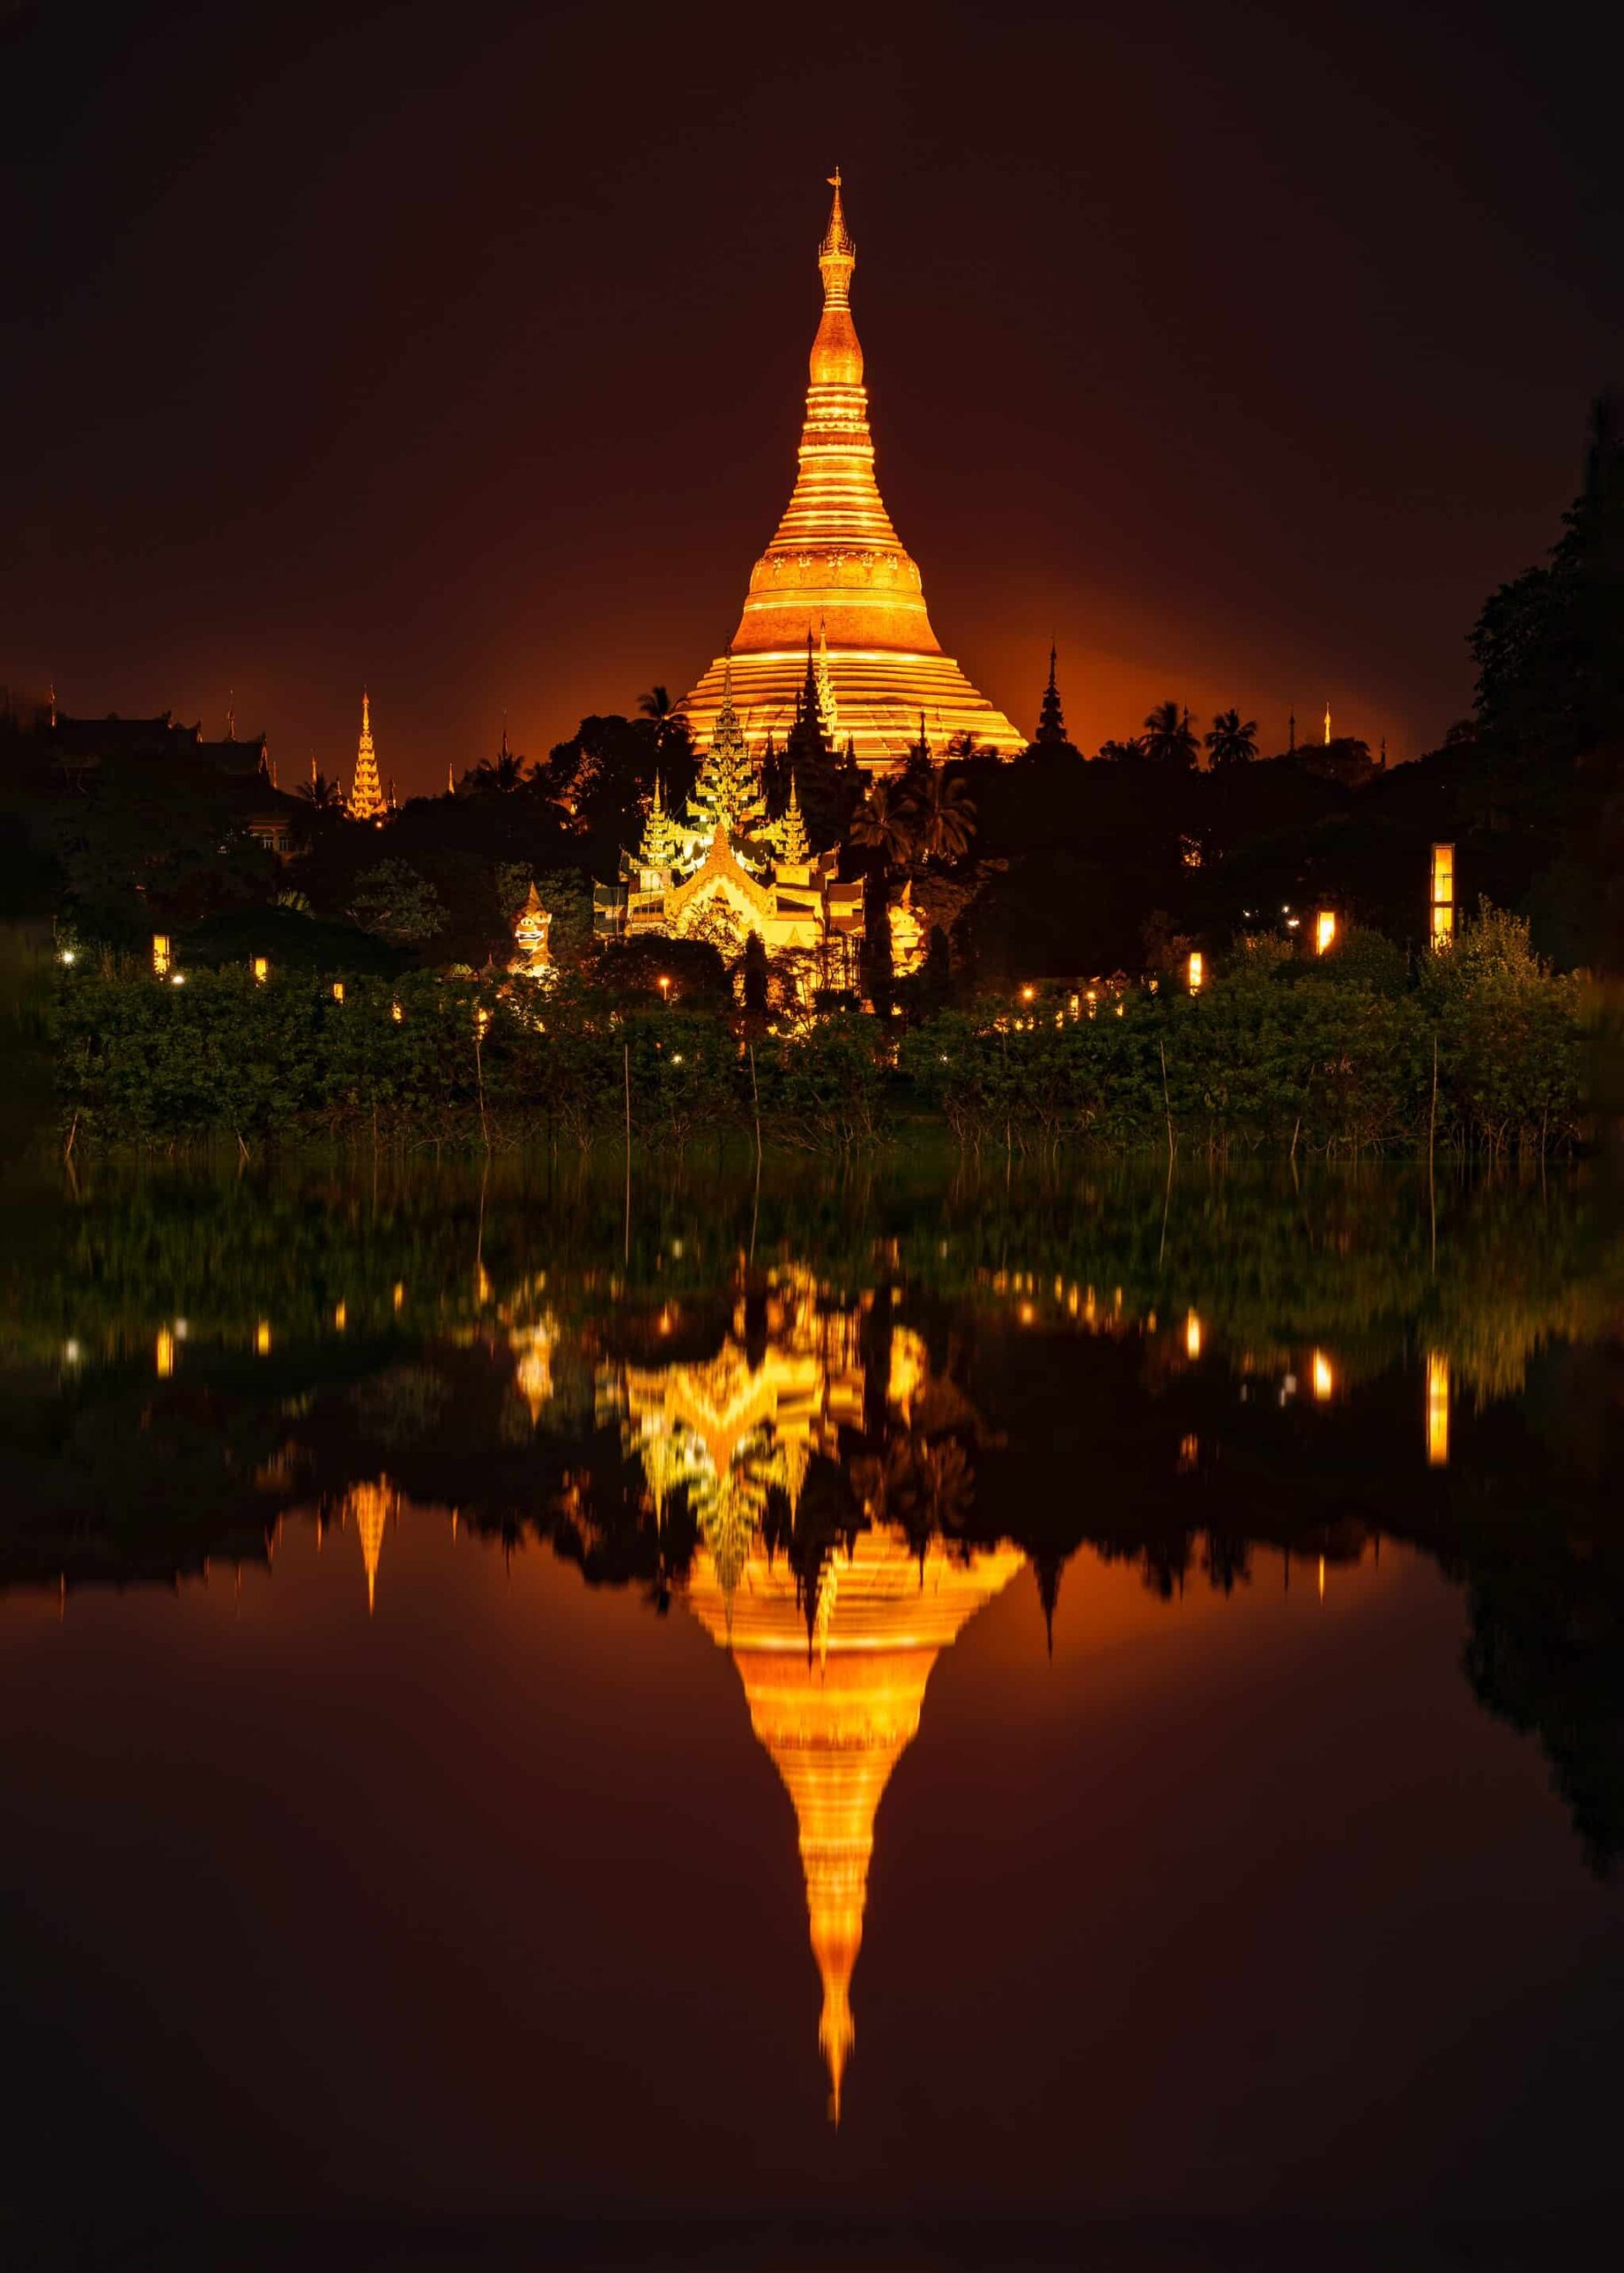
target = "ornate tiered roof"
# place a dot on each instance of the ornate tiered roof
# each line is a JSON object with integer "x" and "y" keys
{"x": 366, "y": 799}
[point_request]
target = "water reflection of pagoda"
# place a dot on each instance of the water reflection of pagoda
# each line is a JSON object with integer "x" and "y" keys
{"x": 835, "y": 1680}
{"x": 837, "y": 1723}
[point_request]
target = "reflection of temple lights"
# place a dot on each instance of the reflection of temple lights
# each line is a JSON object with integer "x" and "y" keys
{"x": 1325, "y": 930}
{"x": 1196, "y": 970}
{"x": 262, "y": 1338}
{"x": 1325, "y": 1379}
{"x": 163, "y": 1354}
{"x": 341, "y": 1316}
{"x": 1193, "y": 1335}
{"x": 1438, "y": 1410}
{"x": 399, "y": 1296}
{"x": 1322, "y": 1578}
{"x": 1189, "y": 1454}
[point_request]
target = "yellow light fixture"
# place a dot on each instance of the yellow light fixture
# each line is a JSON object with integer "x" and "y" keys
{"x": 1196, "y": 970}
{"x": 163, "y": 1354}
{"x": 337, "y": 990}
{"x": 1324, "y": 1377}
{"x": 1325, "y": 929}
{"x": 262, "y": 1338}
{"x": 1443, "y": 894}
{"x": 1193, "y": 1335}
{"x": 160, "y": 954}
{"x": 262, "y": 971}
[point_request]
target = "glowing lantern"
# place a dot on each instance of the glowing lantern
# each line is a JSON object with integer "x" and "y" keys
{"x": 160, "y": 954}
{"x": 262, "y": 971}
{"x": 1192, "y": 1336}
{"x": 337, "y": 990}
{"x": 396, "y": 1013}
{"x": 1443, "y": 894}
{"x": 665, "y": 989}
{"x": 1438, "y": 1410}
{"x": 1196, "y": 970}
{"x": 1325, "y": 930}
{"x": 1325, "y": 1379}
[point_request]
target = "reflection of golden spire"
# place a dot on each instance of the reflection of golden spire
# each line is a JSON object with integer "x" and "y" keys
{"x": 836, "y": 1729}
{"x": 371, "y": 1505}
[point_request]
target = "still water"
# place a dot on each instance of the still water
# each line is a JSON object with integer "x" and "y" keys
{"x": 906, "y": 1721}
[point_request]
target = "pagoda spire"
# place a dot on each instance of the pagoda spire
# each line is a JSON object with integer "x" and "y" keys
{"x": 1051, "y": 721}
{"x": 366, "y": 792}
{"x": 828, "y": 718}
{"x": 836, "y": 551}
{"x": 793, "y": 845}
{"x": 659, "y": 848}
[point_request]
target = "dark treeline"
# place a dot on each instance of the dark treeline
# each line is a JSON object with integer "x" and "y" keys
{"x": 1060, "y": 863}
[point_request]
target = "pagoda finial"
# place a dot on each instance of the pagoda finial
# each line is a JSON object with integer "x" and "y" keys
{"x": 837, "y": 360}
{"x": 1327, "y": 722}
{"x": 836, "y": 238}
{"x": 1051, "y": 720}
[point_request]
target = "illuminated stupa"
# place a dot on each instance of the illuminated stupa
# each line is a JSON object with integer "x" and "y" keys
{"x": 837, "y": 570}
{"x": 837, "y": 1723}
{"x": 366, "y": 800}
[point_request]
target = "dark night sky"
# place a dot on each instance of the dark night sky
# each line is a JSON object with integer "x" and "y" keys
{"x": 460, "y": 349}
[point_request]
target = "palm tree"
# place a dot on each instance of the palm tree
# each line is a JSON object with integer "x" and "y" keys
{"x": 964, "y": 746}
{"x": 885, "y": 824}
{"x": 1169, "y": 737}
{"x": 325, "y": 796}
{"x": 656, "y": 704}
{"x": 503, "y": 774}
{"x": 944, "y": 816}
{"x": 1233, "y": 740}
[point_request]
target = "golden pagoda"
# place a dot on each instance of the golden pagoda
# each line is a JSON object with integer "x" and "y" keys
{"x": 837, "y": 571}
{"x": 835, "y": 1725}
{"x": 366, "y": 798}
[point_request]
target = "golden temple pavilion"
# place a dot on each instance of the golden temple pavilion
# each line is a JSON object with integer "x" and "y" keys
{"x": 837, "y": 571}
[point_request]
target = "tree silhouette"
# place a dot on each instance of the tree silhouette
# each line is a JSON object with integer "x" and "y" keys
{"x": 1232, "y": 740}
{"x": 884, "y": 825}
{"x": 324, "y": 796}
{"x": 1169, "y": 737}
{"x": 944, "y": 816}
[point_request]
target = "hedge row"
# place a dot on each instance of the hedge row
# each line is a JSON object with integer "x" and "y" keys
{"x": 1487, "y": 1060}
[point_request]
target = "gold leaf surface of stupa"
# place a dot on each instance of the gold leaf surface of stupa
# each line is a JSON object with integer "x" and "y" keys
{"x": 838, "y": 1715}
{"x": 837, "y": 570}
